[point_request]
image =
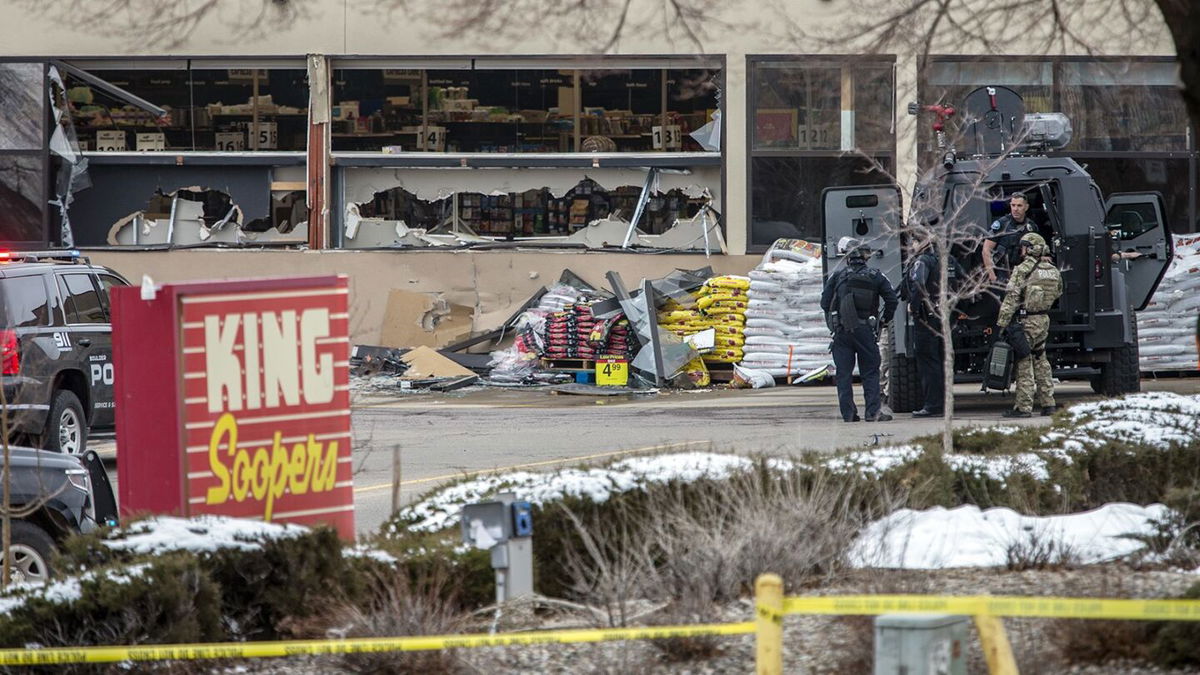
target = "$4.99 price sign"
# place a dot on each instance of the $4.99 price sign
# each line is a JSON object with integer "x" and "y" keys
{"x": 612, "y": 372}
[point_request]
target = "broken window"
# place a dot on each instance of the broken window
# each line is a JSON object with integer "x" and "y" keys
{"x": 211, "y": 109}
{"x": 481, "y": 106}
{"x": 397, "y": 217}
{"x": 22, "y": 152}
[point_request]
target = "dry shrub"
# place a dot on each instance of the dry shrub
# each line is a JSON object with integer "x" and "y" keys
{"x": 402, "y": 606}
{"x": 1039, "y": 550}
{"x": 691, "y": 547}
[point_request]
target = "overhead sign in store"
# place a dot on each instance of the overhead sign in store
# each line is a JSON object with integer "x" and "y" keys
{"x": 233, "y": 399}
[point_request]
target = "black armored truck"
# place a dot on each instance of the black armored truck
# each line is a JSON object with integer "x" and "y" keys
{"x": 1112, "y": 251}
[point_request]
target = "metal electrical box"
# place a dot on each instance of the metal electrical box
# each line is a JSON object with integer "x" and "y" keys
{"x": 921, "y": 644}
{"x": 505, "y": 528}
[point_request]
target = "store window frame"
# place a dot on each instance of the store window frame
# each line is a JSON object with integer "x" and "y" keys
{"x": 663, "y": 159}
{"x": 1057, "y": 86}
{"x": 575, "y": 63}
{"x": 887, "y": 153}
{"x": 43, "y": 153}
{"x": 187, "y": 64}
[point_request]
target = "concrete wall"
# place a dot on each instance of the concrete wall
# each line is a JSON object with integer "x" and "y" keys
{"x": 495, "y": 283}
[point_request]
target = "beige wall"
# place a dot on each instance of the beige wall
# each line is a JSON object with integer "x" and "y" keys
{"x": 495, "y": 283}
{"x": 492, "y": 281}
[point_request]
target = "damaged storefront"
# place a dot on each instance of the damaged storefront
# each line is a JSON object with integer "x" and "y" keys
{"x": 690, "y": 329}
{"x": 331, "y": 152}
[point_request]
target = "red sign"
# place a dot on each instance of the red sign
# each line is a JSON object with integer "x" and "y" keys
{"x": 258, "y": 394}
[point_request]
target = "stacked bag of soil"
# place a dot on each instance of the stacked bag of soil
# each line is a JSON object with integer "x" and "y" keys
{"x": 785, "y": 330}
{"x": 1167, "y": 327}
{"x": 722, "y": 302}
{"x": 575, "y": 333}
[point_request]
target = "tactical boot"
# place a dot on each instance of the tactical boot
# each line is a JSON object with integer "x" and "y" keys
{"x": 1048, "y": 410}
{"x": 855, "y": 419}
{"x": 1017, "y": 413}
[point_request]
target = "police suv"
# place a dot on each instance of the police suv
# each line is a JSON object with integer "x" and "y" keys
{"x": 56, "y": 347}
{"x": 1112, "y": 251}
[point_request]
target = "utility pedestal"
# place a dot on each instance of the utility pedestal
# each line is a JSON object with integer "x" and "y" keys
{"x": 505, "y": 527}
{"x": 921, "y": 644}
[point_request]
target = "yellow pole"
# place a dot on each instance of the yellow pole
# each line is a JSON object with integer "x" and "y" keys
{"x": 768, "y": 619}
{"x": 996, "y": 649}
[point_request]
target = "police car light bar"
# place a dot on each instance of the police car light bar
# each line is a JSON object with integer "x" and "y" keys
{"x": 72, "y": 255}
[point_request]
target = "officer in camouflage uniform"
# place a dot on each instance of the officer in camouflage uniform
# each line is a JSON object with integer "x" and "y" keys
{"x": 1032, "y": 289}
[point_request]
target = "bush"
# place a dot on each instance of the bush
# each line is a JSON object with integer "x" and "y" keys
{"x": 402, "y": 606}
{"x": 1177, "y": 643}
{"x": 287, "y": 579}
{"x": 167, "y": 600}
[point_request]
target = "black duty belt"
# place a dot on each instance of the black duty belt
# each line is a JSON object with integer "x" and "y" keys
{"x": 1028, "y": 313}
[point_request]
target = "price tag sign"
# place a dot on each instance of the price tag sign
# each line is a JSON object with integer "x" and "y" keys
{"x": 268, "y": 135}
{"x": 612, "y": 373}
{"x": 153, "y": 141}
{"x": 671, "y": 139}
{"x": 231, "y": 141}
{"x": 110, "y": 141}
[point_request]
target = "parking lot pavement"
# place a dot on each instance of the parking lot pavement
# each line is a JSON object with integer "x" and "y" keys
{"x": 440, "y": 437}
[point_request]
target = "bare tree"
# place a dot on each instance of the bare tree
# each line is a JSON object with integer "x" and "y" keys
{"x": 167, "y": 24}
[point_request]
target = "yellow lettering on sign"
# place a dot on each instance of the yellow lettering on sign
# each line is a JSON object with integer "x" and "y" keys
{"x": 265, "y": 474}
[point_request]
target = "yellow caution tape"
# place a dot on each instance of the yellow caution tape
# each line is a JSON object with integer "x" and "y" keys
{"x": 247, "y": 650}
{"x": 1008, "y": 605}
{"x": 977, "y": 605}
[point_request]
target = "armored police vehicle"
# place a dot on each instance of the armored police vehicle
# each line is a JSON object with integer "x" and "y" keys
{"x": 1112, "y": 251}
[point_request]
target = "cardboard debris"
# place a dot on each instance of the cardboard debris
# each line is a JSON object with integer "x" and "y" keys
{"x": 424, "y": 362}
{"x": 416, "y": 319}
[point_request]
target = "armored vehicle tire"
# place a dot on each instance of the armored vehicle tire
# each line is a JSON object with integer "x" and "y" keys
{"x": 66, "y": 425}
{"x": 904, "y": 385}
{"x": 1121, "y": 375}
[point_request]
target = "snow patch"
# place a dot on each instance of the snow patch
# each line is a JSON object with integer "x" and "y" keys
{"x": 999, "y": 467}
{"x": 199, "y": 534}
{"x": 873, "y": 463}
{"x": 442, "y": 510}
{"x": 363, "y": 551}
{"x": 965, "y": 536}
{"x": 64, "y": 591}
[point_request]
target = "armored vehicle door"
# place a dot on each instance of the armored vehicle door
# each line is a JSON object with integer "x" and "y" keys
{"x": 872, "y": 215}
{"x": 1137, "y": 223}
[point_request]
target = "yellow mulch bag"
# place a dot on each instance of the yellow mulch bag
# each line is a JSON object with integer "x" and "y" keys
{"x": 729, "y": 329}
{"x": 679, "y": 316}
{"x": 730, "y": 341}
{"x": 697, "y": 373}
{"x": 724, "y": 355}
{"x": 728, "y": 319}
{"x": 725, "y": 307}
{"x": 729, "y": 281}
{"x": 707, "y": 301}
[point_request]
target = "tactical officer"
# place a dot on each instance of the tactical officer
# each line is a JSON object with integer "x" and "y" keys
{"x": 850, "y": 301}
{"x": 1000, "y": 250}
{"x": 923, "y": 292}
{"x": 1032, "y": 290}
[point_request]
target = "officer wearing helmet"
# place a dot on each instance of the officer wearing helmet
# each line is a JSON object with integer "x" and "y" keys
{"x": 1032, "y": 290}
{"x": 850, "y": 301}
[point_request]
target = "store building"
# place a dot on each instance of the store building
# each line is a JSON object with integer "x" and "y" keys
{"x": 386, "y": 146}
